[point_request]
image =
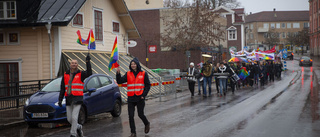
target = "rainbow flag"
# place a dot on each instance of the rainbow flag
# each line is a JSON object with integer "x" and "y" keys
{"x": 243, "y": 73}
{"x": 114, "y": 56}
{"x": 90, "y": 42}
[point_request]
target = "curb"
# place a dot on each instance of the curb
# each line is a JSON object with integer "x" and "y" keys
{"x": 12, "y": 124}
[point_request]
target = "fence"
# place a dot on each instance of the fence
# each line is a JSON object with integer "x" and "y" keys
{"x": 14, "y": 94}
{"x": 160, "y": 87}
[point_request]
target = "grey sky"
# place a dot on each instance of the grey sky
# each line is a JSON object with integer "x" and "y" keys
{"x": 255, "y": 6}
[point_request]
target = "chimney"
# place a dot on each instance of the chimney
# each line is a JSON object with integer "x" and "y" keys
{"x": 274, "y": 11}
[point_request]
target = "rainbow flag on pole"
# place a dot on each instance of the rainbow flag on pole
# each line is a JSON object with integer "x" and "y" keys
{"x": 243, "y": 73}
{"x": 114, "y": 56}
{"x": 90, "y": 42}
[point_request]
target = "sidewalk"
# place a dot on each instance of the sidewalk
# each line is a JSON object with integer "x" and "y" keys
{"x": 11, "y": 117}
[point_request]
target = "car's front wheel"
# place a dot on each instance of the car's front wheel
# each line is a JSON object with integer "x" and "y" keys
{"x": 116, "y": 109}
{"x": 82, "y": 116}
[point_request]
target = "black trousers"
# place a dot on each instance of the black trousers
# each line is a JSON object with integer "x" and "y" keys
{"x": 191, "y": 87}
{"x": 217, "y": 84}
{"x": 232, "y": 85}
{"x": 140, "y": 106}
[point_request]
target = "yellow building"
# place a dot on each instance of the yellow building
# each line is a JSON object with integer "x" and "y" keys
{"x": 283, "y": 23}
{"x": 26, "y": 52}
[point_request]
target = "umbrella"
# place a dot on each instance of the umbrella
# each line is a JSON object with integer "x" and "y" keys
{"x": 235, "y": 59}
{"x": 244, "y": 60}
{"x": 267, "y": 58}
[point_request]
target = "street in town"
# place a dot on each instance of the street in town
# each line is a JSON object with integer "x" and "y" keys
{"x": 284, "y": 108}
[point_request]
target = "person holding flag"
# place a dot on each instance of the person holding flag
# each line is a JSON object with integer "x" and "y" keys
{"x": 138, "y": 86}
{"x": 72, "y": 89}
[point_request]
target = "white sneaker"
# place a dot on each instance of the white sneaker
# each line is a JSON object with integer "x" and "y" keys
{"x": 79, "y": 131}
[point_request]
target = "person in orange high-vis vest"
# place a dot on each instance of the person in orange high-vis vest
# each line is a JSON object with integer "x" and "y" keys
{"x": 138, "y": 86}
{"x": 72, "y": 90}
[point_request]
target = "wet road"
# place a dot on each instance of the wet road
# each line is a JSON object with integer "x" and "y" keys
{"x": 287, "y": 107}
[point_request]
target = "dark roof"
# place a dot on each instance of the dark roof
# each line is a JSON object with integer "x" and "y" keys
{"x": 40, "y": 12}
{"x": 269, "y": 16}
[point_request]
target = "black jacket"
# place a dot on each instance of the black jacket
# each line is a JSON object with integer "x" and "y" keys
{"x": 84, "y": 75}
{"x": 147, "y": 84}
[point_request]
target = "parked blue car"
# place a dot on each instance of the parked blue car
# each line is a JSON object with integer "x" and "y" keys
{"x": 101, "y": 94}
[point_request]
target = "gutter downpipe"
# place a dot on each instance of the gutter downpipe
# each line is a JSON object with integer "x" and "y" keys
{"x": 48, "y": 26}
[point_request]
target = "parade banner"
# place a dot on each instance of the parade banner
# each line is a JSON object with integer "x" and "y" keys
{"x": 254, "y": 55}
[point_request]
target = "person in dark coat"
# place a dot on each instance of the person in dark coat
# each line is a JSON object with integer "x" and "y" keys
{"x": 262, "y": 71}
{"x": 72, "y": 89}
{"x": 193, "y": 73}
{"x": 136, "y": 93}
{"x": 271, "y": 71}
{"x": 256, "y": 72}
{"x": 250, "y": 78}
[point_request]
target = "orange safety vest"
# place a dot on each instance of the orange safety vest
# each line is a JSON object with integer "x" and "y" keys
{"x": 77, "y": 85}
{"x": 135, "y": 85}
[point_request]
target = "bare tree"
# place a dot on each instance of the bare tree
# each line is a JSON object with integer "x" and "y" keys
{"x": 272, "y": 38}
{"x": 291, "y": 39}
{"x": 302, "y": 38}
{"x": 192, "y": 27}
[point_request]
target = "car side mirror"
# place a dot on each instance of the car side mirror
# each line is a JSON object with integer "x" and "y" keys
{"x": 92, "y": 90}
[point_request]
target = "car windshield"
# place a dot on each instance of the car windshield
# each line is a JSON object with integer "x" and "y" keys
{"x": 305, "y": 57}
{"x": 53, "y": 86}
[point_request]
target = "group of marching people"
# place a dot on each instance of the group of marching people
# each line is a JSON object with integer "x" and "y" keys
{"x": 236, "y": 74}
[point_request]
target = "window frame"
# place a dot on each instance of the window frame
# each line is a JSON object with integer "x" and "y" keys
{"x": 113, "y": 21}
{"x": 283, "y": 35}
{"x": 278, "y": 25}
{"x": 78, "y": 25}
{"x": 295, "y": 27}
{"x": 283, "y": 25}
{"x": 289, "y": 26}
{"x": 8, "y": 38}
{"x": 4, "y": 38}
{"x": 98, "y": 40}
{"x": 235, "y": 34}
{"x": 266, "y": 25}
{"x": 5, "y": 10}
{"x": 272, "y": 25}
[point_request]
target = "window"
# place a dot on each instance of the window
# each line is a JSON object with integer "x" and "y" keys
{"x": 9, "y": 72}
{"x": 288, "y": 25}
{"x": 8, "y": 10}
{"x": 2, "y": 40}
{"x": 283, "y": 35}
{"x": 306, "y": 25}
{"x": 251, "y": 26}
{"x": 283, "y": 25}
{"x": 13, "y": 38}
{"x": 93, "y": 83}
{"x": 105, "y": 81}
{"x": 232, "y": 34}
{"x": 278, "y": 25}
{"x": 272, "y": 25}
{"x": 251, "y": 35}
{"x": 266, "y": 25}
{"x": 265, "y": 35}
{"x": 78, "y": 20}
{"x": 296, "y": 25}
{"x": 98, "y": 25}
{"x": 115, "y": 27}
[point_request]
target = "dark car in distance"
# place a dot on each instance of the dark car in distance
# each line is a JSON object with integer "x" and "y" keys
{"x": 304, "y": 60}
{"x": 101, "y": 94}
